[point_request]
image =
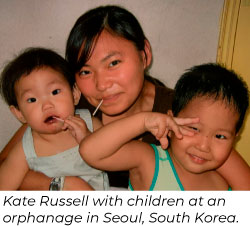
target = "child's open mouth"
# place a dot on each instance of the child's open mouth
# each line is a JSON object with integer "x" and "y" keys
{"x": 50, "y": 119}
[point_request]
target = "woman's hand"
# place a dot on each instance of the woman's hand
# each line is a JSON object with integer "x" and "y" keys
{"x": 76, "y": 184}
{"x": 77, "y": 127}
{"x": 161, "y": 124}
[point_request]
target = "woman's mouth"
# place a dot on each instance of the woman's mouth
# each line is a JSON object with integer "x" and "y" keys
{"x": 110, "y": 98}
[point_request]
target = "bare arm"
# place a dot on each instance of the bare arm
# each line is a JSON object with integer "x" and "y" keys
{"x": 13, "y": 169}
{"x": 76, "y": 184}
{"x": 108, "y": 148}
{"x": 236, "y": 172}
{"x": 14, "y": 140}
{"x": 107, "y": 154}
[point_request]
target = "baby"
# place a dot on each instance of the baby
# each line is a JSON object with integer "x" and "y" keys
{"x": 38, "y": 87}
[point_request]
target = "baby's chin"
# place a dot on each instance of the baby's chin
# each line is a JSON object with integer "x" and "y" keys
{"x": 52, "y": 128}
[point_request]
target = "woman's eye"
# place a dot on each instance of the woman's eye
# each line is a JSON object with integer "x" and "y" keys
{"x": 31, "y": 100}
{"x": 219, "y": 136}
{"x": 56, "y": 91}
{"x": 113, "y": 63}
{"x": 84, "y": 72}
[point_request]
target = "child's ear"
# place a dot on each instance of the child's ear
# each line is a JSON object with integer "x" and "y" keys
{"x": 170, "y": 113}
{"x": 17, "y": 113}
{"x": 76, "y": 94}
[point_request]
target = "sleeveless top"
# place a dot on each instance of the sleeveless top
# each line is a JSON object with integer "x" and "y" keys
{"x": 165, "y": 175}
{"x": 66, "y": 163}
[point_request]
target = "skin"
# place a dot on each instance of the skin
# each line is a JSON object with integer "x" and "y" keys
{"x": 194, "y": 157}
{"x": 214, "y": 136}
{"x": 115, "y": 73}
{"x": 41, "y": 95}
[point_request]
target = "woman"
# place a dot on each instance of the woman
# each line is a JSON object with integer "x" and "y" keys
{"x": 110, "y": 55}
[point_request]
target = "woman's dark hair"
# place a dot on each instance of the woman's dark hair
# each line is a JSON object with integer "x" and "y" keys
{"x": 215, "y": 81}
{"x": 88, "y": 27}
{"x": 27, "y": 61}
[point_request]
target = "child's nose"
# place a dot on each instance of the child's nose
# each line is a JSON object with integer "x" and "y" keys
{"x": 203, "y": 143}
{"x": 47, "y": 104}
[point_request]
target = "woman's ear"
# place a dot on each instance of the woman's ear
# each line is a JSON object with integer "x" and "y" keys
{"x": 76, "y": 94}
{"x": 17, "y": 113}
{"x": 147, "y": 57}
{"x": 170, "y": 113}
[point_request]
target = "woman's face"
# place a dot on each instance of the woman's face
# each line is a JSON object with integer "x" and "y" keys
{"x": 114, "y": 73}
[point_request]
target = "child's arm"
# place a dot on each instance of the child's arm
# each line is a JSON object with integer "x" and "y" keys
{"x": 78, "y": 128}
{"x": 13, "y": 169}
{"x": 104, "y": 148}
{"x": 236, "y": 172}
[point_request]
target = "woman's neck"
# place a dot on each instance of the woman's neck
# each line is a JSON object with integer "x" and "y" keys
{"x": 145, "y": 102}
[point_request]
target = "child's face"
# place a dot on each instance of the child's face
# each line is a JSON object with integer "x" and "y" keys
{"x": 213, "y": 139}
{"x": 42, "y": 94}
{"x": 114, "y": 73}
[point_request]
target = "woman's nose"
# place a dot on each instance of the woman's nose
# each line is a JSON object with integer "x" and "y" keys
{"x": 103, "y": 81}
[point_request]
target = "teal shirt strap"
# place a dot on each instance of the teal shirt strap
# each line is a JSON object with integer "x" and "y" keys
{"x": 156, "y": 167}
{"x": 174, "y": 171}
{"x": 155, "y": 173}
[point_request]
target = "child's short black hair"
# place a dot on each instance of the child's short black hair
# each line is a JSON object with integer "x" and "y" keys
{"x": 212, "y": 80}
{"x": 26, "y": 62}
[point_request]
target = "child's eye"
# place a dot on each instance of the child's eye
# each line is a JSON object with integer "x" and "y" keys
{"x": 193, "y": 128}
{"x": 113, "y": 63}
{"x": 56, "y": 91}
{"x": 219, "y": 136}
{"x": 31, "y": 100}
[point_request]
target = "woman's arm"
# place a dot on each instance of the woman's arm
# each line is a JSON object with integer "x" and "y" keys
{"x": 14, "y": 140}
{"x": 236, "y": 172}
{"x": 13, "y": 169}
{"x": 76, "y": 184}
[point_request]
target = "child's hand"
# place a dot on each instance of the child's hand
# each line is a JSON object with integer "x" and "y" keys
{"x": 161, "y": 124}
{"x": 77, "y": 127}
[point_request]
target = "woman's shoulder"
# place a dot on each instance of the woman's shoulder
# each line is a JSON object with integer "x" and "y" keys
{"x": 163, "y": 99}
{"x": 163, "y": 95}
